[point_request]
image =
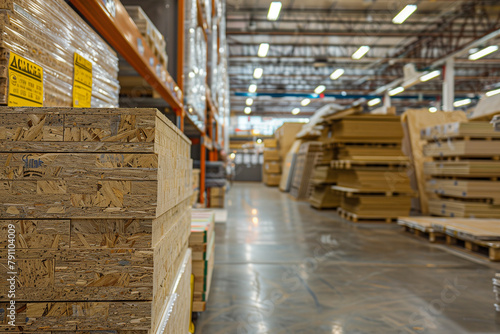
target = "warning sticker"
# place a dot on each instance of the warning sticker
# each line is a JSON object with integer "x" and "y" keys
{"x": 25, "y": 83}
{"x": 82, "y": 82}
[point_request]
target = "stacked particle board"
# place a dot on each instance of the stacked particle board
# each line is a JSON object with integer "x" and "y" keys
{"x": 154, "y": 38}
{"x": 463, "y": 176}
{"x": 202, "y": 243}
{"x": 271, "y": 169}
{"x": 308, "y": 156}
{"x": 217, "y": 197}
{"x": 49, "y": 33}
{"x": 370, "y": 167}
{"x": 323, "y": 195}
{"x": 285, "y": 135}
{"x": 196, "y": 186}
{"x": 100, "y": 203}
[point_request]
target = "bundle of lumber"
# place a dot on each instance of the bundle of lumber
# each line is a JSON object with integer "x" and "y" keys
{"x": 308, "y": 156}
{"x": 370, "y": 167}
{"x": 99, "y": 201}
{"x": 50, "y": 35}
{"x": 465, "y": 170}
{"x": 322, "y": 179}
{"x": 202, "y": 242}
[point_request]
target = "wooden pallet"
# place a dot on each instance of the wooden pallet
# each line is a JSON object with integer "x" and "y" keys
{"x": 364, "y": 219}
{"x": 420, "y": 227}
{"x": 385, "y": 162}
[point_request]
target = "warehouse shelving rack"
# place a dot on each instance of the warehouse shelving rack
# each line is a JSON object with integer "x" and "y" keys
{"x": 112, "y": 21}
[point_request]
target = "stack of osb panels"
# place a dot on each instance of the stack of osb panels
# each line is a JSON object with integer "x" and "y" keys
{"x": 100, "y": 203}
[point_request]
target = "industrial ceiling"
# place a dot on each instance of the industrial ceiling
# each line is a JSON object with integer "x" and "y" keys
{"x": 312, "y": 39}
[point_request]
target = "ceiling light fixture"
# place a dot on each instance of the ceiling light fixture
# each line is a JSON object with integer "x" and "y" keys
{"x": 462, "y": 103}
{"x": 258, "y": 72}
{"x": 404, "y": 14}
{"x": 249, "y": 102}
{"x": 360, "y": 53}
{"x": 263, "y": 50}
{"x": 493, "y": 92}
{"x": 274, "y": 10}
{"x": 396, "y": 91}
{"x": 252, "y": 88}
{"x": 248, "y": 110}
{"x": 433, "y": 109}
{"x": 429, "y": 76}
{"x": 483, "y": 52}
{"x": 320, "y": 89}
{"x": 305, "y": 102}
{"x": 374, "y": 102}
{"x": 337, "y": 74}
{"x": 295, "y": 111}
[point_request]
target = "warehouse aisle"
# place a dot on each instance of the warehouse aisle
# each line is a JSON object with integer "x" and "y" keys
{"x": 282, "y": 267}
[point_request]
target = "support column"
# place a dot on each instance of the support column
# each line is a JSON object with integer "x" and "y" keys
{"x": 449, "y": 85}
{"x": 387, "y": 100}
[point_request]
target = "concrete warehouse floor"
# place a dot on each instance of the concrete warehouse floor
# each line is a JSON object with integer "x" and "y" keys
{"x": 283, "y": 267}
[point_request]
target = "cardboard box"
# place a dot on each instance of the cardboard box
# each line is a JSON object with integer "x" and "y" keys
{"x": 272, "y": 180}
{"x": 272, "y": 167}
{"x": 271, "y": 155}
{"x": 270, "y": 143}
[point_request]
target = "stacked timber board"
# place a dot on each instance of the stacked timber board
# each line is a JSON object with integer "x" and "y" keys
{"x": 196, "y": 186}
{"x": 49, "y": 34}
{"x": 100, "y": 203}
{"x": 465, "y": 170}
{"x": 271, "y": 173}
{"x": 217, "y": 197}
{"x": 323, "y": 195}
{"x": 202, "y": 242}
{"x": 475, "y": 235}
{"x": 370, "y": 167}
{"x": 308, "y": 156}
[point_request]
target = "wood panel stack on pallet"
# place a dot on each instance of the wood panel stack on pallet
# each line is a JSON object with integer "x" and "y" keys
{"x": 49, "y": 33}
{"x": 100, "y": 203}
{"x": 308, "y": 156}
{"x": 202, "y": 242}
{"x": 465, "y": 170}
{"x": 480, "y": 236}
{"x": 370, "y": 167}
{"x": 217, "y": 197}
{"x": 271, "y": 169}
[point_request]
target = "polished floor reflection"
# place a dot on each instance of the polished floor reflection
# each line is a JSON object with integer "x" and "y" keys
{"x": 283, "y": 267}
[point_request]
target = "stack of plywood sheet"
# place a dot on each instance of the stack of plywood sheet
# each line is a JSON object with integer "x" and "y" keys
{"x": 308, "y": 156}
{"x": 465, "y": 170}
{"x": 202, "y": 242}
{"x": 323, "y": 195}
{"x": 271, "y": 169}
{"x": 285, "y": 136}
{"x": 370, "y": 167}
{"x": 217, "y": 197}
{"x": 50, "y": 35}
{"x": 154, "y": 38}
{"x": 98, "y": 204}
{"x": 474, "y": 235}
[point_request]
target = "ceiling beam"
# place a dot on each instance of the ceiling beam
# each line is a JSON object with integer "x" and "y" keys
{"x": 381, "y": 33}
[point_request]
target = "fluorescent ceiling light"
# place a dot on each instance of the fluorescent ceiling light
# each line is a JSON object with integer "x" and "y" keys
{"x": 360, "y": 53}
{"x": 258, "y": 72}
{"x": 461, "y": 103}
{"x": 252, "y": 88}
{"x": 404, "y": 14}
{"x": 274, "y": 11}
{"x": 374, "y": 102}
{"x": 429, "y": 76}
{"x": 433, "y": 109}
{"x": 493, "y": 92}
{"x": 320, "y": 89}
{"x": 295, "y": 111}
{"x": 483, "y": 52}
{"x": 263, "y": 49}
{"x": 249, "y": 102}
{"x": 337, "y": 74}
{"x": 248, "y": 110}
{"x": 305, "y": 102}
{"x": 396, "y": 91}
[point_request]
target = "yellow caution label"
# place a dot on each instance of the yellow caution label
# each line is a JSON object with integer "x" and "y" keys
{"x": 25, "y": 83}
{"x": 82, "y": 82}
